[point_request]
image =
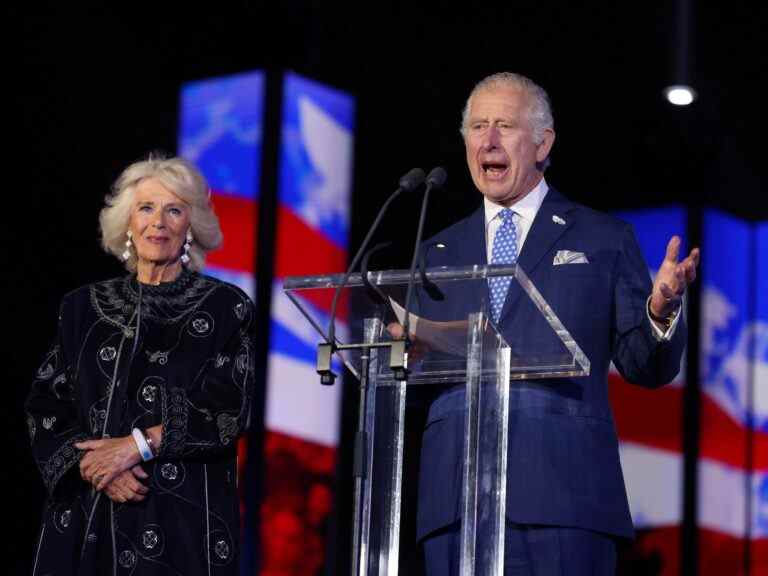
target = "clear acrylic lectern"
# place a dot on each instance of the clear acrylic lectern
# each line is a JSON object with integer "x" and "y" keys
{"x": 455, "y": 344}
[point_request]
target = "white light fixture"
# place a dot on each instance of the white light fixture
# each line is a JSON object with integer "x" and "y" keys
{"x": 680, "y": 95}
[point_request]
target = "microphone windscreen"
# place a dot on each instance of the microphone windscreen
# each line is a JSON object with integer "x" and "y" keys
{"x": 437, "y": 177}
{"x": 412, "y": 180}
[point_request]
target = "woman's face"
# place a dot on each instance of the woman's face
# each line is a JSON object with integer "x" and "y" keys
{"x": 159, "y": 222}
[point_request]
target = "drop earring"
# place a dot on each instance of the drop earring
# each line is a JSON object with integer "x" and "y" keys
{"x": 127, "y": 254}
{"x": 187, "y": 246}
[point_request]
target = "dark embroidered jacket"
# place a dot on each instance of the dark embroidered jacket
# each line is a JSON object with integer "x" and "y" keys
{"x": 179, "y": 354}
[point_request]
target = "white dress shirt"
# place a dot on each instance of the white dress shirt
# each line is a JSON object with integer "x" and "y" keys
{"x": 525, "y": 211}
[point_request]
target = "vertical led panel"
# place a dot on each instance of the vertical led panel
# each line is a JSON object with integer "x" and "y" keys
{"x": 649, "y": 424}
{"x": 220, "y": 130}
{"x": 759, "y": 440}
{"x": 733, "y": 465}
{"x": 302, "y": 417}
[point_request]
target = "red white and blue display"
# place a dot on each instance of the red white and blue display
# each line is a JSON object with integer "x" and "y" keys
{"x": 733, "y": 448}
{"x": 220, "y": 131}
{"x": 732, "y": 472}
{"x": 650, "y": 422}
{"x": 302, "y": 417}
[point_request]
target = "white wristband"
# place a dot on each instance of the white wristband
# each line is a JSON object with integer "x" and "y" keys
{"x": 141, "y": 444}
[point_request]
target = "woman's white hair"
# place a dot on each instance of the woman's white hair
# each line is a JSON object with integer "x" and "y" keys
{"x": 539, "y": 111}
{"x": 178, "y": 176}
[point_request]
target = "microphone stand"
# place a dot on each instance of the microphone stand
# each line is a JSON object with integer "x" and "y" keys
{"x": 435, "y": 180}
{"x": 409, "y": 182}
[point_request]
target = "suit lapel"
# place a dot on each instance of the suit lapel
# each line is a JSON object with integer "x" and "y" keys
{"x": 550, "y": 223}
{"x": 471, "y": 248}
{"x": 545, "y": 231}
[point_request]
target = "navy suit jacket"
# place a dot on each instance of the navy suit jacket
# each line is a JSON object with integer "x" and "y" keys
{"x": 563, "y": 465}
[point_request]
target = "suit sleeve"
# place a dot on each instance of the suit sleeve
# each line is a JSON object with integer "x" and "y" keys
{"x": 207, "y": 415}
{"x": 51, "y": 410}
{"x": 638, "y": 355}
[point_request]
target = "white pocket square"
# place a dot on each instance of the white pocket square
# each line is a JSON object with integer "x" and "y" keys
{"x": 569, "y": 257}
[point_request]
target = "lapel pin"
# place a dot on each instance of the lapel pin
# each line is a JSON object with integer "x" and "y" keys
{"x": 557, "y": 220}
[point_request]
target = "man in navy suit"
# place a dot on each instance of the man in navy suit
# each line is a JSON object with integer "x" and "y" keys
{"x": 566, "y": 503}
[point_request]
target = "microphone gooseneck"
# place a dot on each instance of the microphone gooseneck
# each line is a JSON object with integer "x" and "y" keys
{"x": 408, "y": 183}
{"x": 435, "y": 180}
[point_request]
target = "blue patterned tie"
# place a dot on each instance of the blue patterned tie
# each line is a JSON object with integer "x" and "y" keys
{"x": 504, "y": 252}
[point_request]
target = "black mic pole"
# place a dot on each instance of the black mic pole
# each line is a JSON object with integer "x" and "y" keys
{"x": 435, "y": 180}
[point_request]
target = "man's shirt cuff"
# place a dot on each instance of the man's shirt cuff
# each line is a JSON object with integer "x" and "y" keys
{"x": 659, "y": 333}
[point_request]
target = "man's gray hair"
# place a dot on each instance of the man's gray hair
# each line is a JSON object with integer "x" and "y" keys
{"x": 540, "y": 109}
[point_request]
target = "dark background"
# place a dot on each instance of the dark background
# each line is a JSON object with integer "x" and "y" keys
{"x": 92, "y": 89}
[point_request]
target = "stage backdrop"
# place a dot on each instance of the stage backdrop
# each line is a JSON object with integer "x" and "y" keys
{"x": 733, "y": 464}
{"x": 221, "y": 127}
{"x": 302, "y": 417}
{"x": 732, "y": 472}
{"x": 650, "y": 426}
{"x": 220, "y": 130}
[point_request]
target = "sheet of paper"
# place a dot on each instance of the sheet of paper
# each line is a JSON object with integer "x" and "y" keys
{"x": 448, "y": 337}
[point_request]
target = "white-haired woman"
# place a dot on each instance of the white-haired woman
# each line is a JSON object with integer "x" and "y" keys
{"x": 146, "y": 387}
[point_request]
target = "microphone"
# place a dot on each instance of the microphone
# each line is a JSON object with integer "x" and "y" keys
{"x": 410, "y": 181}
{"x": 407, "y": 183}
{"x": 435, "y": 180}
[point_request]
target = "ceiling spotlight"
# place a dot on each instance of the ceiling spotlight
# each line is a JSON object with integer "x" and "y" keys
{"x": 680, "y": 95}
